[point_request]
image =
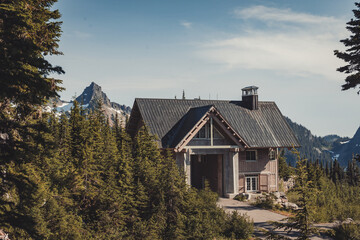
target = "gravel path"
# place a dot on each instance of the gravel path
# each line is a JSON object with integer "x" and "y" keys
{"x": 258, "y": 215}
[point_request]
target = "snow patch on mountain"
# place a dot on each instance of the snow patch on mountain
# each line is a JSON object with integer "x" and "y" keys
{"x": 89, "y": 99}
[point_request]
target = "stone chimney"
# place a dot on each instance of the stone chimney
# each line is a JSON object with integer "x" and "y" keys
{"x": 250, "y": 97}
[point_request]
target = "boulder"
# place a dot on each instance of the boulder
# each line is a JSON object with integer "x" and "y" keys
{"x": 277, "y": 195}
{"x": 348, "y": 221}
{"x": 290, "y": 205}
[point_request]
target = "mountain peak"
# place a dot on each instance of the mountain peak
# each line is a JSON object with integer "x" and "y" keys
{"x": 89, "y": 99}
{"x": 93, "y": 85}
{"x": 93, "y": 93}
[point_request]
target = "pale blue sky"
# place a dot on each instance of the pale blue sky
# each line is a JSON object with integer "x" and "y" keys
{"x": 213, "y": 48}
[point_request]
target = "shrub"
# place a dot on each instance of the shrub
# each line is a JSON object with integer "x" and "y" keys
{"x": 347, "y": 231}
{"x": 240, "y": 197}
{"x": 238, "y": 226}
{"x": 265, "y": 203}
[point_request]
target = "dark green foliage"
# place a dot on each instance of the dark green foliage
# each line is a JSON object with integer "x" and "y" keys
{"x": 357, "y": 157}
{"x": 338, "y": 193}
{"x": 306, "y": 188}
{"x": 285, "y": 171}
{"x": 204, "y": 219}
{"x": 76, "y": 177}
{"x": 111, "y": 186}
{"x": 238, "y": 226}
{"x": 266, "y": 202}
{"x": 312, "y": 147}
{"x": 353, "y": 173}
{"x": 351, "y": 55}
{"x": 337, "y": 173}
{"x": 306, "y": 191}
{"x": 28, "y": 32}
{"x": 347, "y": 231}
{"x": 240, "y": 197}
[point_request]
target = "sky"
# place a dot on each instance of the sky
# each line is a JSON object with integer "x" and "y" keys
{"x": 211, "y": 49}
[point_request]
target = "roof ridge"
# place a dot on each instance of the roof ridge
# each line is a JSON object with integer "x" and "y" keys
{"x": 209, "y": 100}
{"x": 259, "y": 128}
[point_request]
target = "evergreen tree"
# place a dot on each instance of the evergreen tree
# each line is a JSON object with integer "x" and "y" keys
{"x": 28, "y": 33}
{"x": 353, "y": 173}
{"x": 147, "y": 160}
{"x": 307, "y": 191}
{"x": 351, "y": 55}
{"x": 204, "y": 220}
{"x": 284, "y": 170}
{"x": 173, "y": 193}
{"x": 327, "y": 170}
{"x": 337, "y": 173}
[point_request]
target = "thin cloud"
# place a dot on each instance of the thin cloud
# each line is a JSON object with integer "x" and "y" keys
{"x": 300, "y": 48}
{"x": 281, "y": 15}
{"x": 186, "y": 24}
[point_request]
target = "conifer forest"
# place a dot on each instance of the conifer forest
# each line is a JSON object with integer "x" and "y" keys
{"x": 81, "y": 176}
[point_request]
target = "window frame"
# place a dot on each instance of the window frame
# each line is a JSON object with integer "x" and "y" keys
{"x": 255, "y": 155}
{"x": 207, "y": 134}
{"x": 251, "y": 178}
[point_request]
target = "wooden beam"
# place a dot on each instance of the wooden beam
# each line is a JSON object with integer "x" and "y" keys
{"x": 227, "y": 133}
{"x": 211, "y": 132}
{"x": 213, "y": 147}
{"x": 192, "y": 133}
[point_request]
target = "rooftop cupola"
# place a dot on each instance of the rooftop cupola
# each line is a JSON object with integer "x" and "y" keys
{"x": 250, "y": 97}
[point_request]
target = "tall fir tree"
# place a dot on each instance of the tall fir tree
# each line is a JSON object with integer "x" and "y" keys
{"x": 304, "y": 217}
{"x": 351, "y": 55}
{"x": 29, "y": 32}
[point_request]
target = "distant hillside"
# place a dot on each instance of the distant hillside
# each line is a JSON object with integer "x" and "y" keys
{"x": 326, "y": 148}
{"x": 312, "y": 147}
{"x": 344, "y": 150}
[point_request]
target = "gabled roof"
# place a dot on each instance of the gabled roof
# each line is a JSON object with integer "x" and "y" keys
{"x": 186, "y": 128}
{"x": 172, "y": 119}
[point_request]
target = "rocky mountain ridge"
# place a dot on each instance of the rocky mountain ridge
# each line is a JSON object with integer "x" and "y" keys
{"x": 91, "y": 96}
{"x": 325, "y": 149}
{"x": 343, "y": 151}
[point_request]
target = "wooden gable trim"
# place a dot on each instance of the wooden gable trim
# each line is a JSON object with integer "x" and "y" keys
{"x": 224, "y": 123}
{"x": 220, "y": 120}
{"x": 230, "y": 134}
{"x": 192, "y": 133}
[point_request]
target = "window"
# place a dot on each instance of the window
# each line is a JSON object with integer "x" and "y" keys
{"x": 217, "y": 134}
{"x": 252, "y": 183}
{"x": 272, "y": 154}
{"x": 251, "y": 155}
{"x": 204, "y": 132}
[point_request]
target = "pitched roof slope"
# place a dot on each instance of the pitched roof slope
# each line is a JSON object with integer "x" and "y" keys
{"x": 265, "y": 127}
{"x": 184, "y": 125}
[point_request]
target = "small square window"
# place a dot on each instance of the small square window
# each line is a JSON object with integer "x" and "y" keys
{"x": 250, "y": 155}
